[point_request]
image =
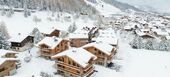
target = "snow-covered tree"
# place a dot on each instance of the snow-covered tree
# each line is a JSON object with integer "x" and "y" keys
{"x": 36, "y": 19}
{"x": 164, "y": 45}
{"x": 137, "y": 43}
{"x": 37, "y": 35}
{"x": 3, "y": 12}
{"x": 4, "y": 44}
{"x": 63, "y": 34}
{"x": 72, "y": 28}
{"x": 155, "y": 44}
{"x": 10, "y": 12}
{"x": 3, "y": 30}
{"x": 149, "y": 44}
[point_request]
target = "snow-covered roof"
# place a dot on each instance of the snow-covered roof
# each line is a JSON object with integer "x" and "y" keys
{"x": 2, "y": 60}
{"x": 46, "y": 30}
{"x": 160, "y": 32}
{"x": 107, "y": 36}
{"x": 104, "y": 47}
{"x": 4, "y": 52}
{"x": 168, "y": 30}
{"x": 109, "y": 40}
{"x": 107, "y": 32}
{"x": 79, "y": 55}
{"x": 18, "y": 38}
{"x": 167, "y": 37}
{"x": 140, "y": 33}
{"x": 145, "y": 30}
{"x": 79, "y": 34}
{"x": 128, "y": 27}
{"x": 52, "y": 42}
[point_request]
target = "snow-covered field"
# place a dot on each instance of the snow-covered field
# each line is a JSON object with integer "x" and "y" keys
{"x": 135, "y": 63}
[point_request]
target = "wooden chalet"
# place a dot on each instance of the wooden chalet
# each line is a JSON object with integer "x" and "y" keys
{"x": 7, "y": 66}
{"x": 50, "y": 46}
{"x": 107, "y": 36}
{"x": 7, "y": 62}
{"x": 104, "y": 52}
{"x": 21, "y": 42}
{"x": 7, "y": 53}
{"x": 49, "y": 32}
{"x": 145, "y": 33}
{"x": 75, "y": 62}
{"x": 82, "y": 37}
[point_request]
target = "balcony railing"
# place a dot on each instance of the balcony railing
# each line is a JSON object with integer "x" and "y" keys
{"x": 67, "y": 65}
{"x": 68, "y": 71}
{"x": 88, "y": 72}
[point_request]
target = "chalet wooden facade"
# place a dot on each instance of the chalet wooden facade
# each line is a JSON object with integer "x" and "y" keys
{"x": 50, "y": 46}
{"x": 83, "y": 37}
{"x": 7, "y": 62}
{"x": 7, "y": 67}
{"x": 78, "y": 42}
{"x": 54, "y": 32}
{"x": 104, "y": 52}
{"x": 76, "y": 62}
{"x": 7, "y": 53}
{"x": 21, "y": 42}
{"x": 49, "y": 31}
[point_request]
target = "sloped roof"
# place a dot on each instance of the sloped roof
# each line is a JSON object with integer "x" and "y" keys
{"x": 4, "y": 52}
{"x": 104, "y": 47}
{"x": 79, "y": 55}
{"x": 52, "y": 42}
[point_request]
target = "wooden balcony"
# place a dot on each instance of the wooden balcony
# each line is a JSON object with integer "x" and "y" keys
{"x": 77, "y": 71}
{"x": 67, "y": 65}
{"x": 44, "y": 49}
{"x": 88, "y": 72}
{"x": 45, "y": 53}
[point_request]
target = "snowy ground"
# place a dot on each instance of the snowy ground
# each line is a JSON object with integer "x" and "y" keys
{"x": 135, "y": 63}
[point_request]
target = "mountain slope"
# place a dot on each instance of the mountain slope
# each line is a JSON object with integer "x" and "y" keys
{"x": 121, "y": 6}
{"x": 102, "y": 7}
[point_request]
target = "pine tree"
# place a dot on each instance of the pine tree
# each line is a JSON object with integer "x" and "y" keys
{"x": 4, "y": 44}
{"x": 37, "y": 35}
{"x": 72, "y": 28}
{"x": 4, "y": 30}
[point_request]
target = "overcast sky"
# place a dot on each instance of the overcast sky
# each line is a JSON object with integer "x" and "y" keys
{"x": 160, "y": 5}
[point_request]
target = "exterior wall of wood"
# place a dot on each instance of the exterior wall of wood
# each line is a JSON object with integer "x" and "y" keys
{"x": 54, "y": 33}
{"x": 78, "y": 42}
{"x": 6, "y": 68}
{"x": 69, "y": 68}
{"x": 46, "y": 52}
{"x": 9, "y": 55}
{"x": 102, "y": 58}
{"x": 19, "y": 45}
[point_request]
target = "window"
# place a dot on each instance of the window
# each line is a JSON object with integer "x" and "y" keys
{"x": 69, "y": 62}
{"x": 74, "y": 64}
{"x": 100, "y": 53}
{"x": 2, "y": 69}
{"x": 60, "y": 59}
